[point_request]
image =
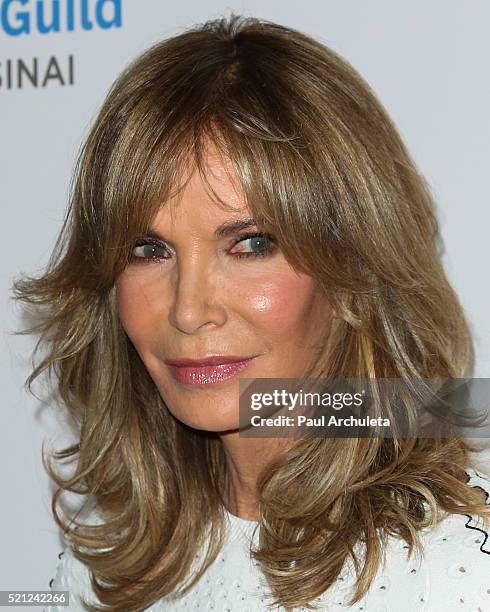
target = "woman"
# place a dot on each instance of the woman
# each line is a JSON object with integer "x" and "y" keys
{"x": 243, "y": 207}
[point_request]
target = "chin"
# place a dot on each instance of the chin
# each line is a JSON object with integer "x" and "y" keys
{"x": 213, "y": 424}
{"x": 205, "y": 412}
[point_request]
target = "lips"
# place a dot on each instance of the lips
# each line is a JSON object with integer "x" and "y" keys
{"x": 207, "y": 371}
{"x": 212, "y": 360}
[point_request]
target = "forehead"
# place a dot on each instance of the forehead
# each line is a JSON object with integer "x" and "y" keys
{"x": 209, "y": 196}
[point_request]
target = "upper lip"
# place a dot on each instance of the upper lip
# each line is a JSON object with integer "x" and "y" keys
{"x": 206, "y": 361}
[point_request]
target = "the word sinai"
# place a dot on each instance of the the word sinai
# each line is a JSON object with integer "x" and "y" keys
{"x": 39, "y": 72}
{"x": 19, "y": 17}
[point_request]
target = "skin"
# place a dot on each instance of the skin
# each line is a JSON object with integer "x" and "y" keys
{"x": 203, "y": 300}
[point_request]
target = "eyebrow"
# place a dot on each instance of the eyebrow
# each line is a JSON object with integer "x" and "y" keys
{"x": 225, "y": 229}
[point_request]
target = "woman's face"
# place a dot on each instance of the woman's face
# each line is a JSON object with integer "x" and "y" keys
{"x": 199, "y": 293}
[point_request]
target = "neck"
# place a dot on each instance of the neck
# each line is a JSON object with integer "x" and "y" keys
{"x": 245, "y": 459}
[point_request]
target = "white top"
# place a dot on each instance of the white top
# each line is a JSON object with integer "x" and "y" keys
{"x": 454, "y": 574}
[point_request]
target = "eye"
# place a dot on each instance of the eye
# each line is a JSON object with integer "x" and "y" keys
{"x": 149, "y": 250}
{"x": 263, "y": 243}
{"x": 259, "y": 244}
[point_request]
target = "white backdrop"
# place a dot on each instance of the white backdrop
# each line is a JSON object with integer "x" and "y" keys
{"x": 429, "y": 63}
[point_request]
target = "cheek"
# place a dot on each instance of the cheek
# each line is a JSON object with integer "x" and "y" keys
{"x": 133, "y": 308}
{"x": 283, "y": 303}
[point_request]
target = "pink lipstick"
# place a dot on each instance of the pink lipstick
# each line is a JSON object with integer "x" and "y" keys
{"x": 208, "y": 371}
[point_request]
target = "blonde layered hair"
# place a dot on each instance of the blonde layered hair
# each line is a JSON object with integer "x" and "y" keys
{"x": 322, "y": 165}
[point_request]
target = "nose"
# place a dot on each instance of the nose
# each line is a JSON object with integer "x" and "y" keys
{"x": 197, "y": 301}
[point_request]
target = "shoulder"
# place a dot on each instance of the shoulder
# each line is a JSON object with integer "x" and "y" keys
{"x": 453, "y": 572}
{"x": 73, "y": 576}
{"x": 457, "y": 557}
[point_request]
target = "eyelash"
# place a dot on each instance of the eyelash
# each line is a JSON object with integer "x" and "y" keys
{"x": 269, "y": 238}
